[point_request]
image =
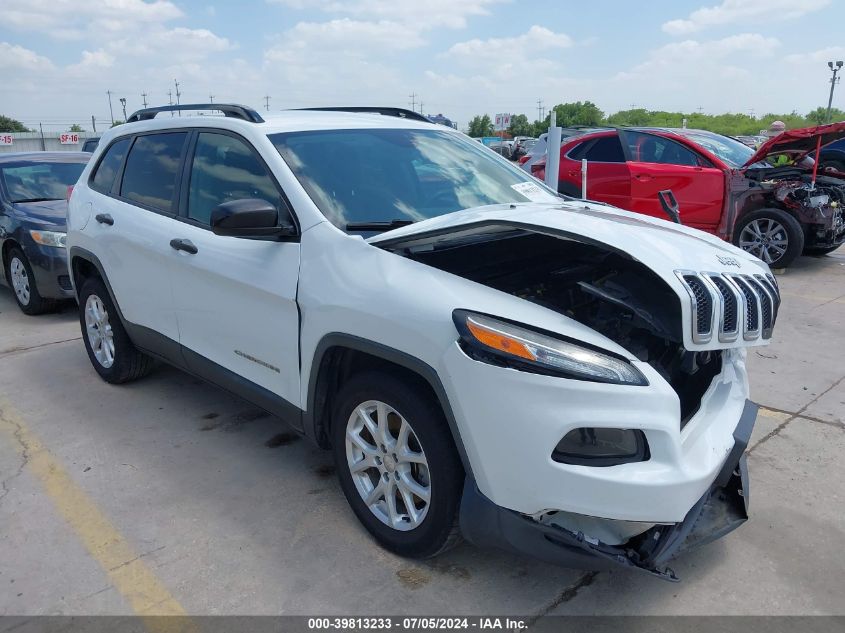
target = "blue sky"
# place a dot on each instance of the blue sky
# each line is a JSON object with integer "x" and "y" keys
{"x": 461, "y": 57}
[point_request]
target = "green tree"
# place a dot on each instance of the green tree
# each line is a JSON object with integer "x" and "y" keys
{"x": 480, "y": 125}
{"x": 76, "y": 128}
{"x": 819, "y": 116}
{"x": 8, "y": 124}
{"x": 577, "y": 113}
{"x": 116, "y": 123}
{"x": 520, "y": 126}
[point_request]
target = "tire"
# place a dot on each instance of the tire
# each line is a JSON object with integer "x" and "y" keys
{"x": 772, "y": 235}
{"x": 109, "y": 349}
{"x": 432, "y": 526}
{"x": 838, "y": 165}
{"x": 22, "y": 282}
{"x": 820, "y": 250}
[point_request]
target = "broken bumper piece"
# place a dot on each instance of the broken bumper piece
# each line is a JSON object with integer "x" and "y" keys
{"x": 722, "y": 509}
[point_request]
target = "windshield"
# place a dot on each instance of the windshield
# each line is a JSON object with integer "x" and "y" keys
{"x": 32, "y": 181}
{"x": 728, "y": 149}
{"x": 400, "y": 175}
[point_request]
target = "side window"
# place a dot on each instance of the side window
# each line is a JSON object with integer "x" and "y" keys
{"x": 152, "y": 170}
{"x": 578, "y": 152}
{"x": 607, "y": 149}
{"x": 650, "y": 148}
{"x": 110, "y": 163}
{"x": 225, "y": 168}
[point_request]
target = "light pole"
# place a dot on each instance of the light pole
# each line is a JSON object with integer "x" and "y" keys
{"x": 123, "y": 103}
{"x": 833, "y": 80}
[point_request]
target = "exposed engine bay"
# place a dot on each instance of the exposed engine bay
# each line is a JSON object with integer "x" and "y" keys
{"x": 605, "y": 290}
{"x": 819, "y": 206}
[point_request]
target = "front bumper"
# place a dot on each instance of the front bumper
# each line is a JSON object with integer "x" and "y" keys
{"x": 721, "y": 509}
{"x": 49, "y": 265}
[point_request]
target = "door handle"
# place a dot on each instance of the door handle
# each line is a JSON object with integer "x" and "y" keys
{"x": 104, "y": 218}
{"x": 183, "y": 245}
{"x": 643, "y": 177}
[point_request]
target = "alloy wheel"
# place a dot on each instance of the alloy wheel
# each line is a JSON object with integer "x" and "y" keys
{"x": 20, "y": 280}
{"x": 765, "y": 238}
{"x": 99, "y": 331}
{"x": 388, "y": 465}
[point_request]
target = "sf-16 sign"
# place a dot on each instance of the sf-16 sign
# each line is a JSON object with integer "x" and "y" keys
{"x": 69, "y": 138}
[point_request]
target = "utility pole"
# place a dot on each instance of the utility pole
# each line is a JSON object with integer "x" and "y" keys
{"x": 211, "y": 98}
{"x": 833, "y": 81}
{"x": 170, "y": 99}
{"x": 144, "y": 97}
{"x": 93, "y": 124}
{"x": 421, "y": 107}
{"x": 267, "y": 102}
{"x": 43, "y": 144}
{"x": 700, "y": 109}
{"x": 111, "y": 112}
{"x": 541, "y": 111}
{"x": 123, "y": 103}
{"x": 413, "y": 98}
{"x": 178, "y": 94}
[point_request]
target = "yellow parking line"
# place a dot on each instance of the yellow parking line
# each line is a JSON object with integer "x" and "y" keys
{"x": 129, "y": 575}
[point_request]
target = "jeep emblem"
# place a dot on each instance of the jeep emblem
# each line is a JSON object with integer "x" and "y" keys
{"x": 727, "y": 261}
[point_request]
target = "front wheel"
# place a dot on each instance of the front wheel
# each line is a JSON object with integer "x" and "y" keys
{"x": 772, "y": 235}
{"x": 397, "y": 464}
{"x": 22, "y": 280}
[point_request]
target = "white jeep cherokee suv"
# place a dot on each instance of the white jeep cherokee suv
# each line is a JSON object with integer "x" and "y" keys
{"x": 482, "y": 356}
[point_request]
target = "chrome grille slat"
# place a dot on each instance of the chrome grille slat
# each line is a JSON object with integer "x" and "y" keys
{"x": 730, "y": 303}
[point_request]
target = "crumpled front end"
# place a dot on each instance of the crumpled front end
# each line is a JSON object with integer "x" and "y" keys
{"x": 720, "y": 510}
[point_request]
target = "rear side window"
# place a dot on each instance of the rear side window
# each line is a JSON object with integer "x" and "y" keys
{"x": 109, "y": 165}
{"x": 607, "y": 149}
{"x": 577, "y": 152}
{"x": 152, "y": 170}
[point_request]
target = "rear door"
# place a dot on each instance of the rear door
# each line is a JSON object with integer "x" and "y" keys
{"x": 132, "y": 221}
{"x": 235, "y": 297}
{"x": 658, "y": 163}
{"x": 608, "y": 176}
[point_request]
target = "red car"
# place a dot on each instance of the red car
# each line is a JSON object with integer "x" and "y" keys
{"x": 764, "y": 201}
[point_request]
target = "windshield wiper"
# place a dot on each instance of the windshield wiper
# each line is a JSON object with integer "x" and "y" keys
{"x": 35, "y": 200}
{"x": 388, "y": 225}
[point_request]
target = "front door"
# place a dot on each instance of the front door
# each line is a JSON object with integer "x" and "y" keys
{"x": 608, "y": 176}
{"x": 235, "y": 297}
{"x": 658, "y": 163}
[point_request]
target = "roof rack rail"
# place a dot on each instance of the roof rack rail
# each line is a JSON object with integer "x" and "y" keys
{"x": 402, "y": 113}
{"x": 228, "y": 109}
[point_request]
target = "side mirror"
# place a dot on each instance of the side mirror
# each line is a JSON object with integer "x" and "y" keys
{"x": 249, "y": 217}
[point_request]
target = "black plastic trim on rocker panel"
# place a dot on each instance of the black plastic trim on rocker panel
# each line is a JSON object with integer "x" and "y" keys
{"x": 314, "y": 428}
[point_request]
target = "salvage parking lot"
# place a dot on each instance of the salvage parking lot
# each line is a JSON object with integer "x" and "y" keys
{"x": 168, "y": 496}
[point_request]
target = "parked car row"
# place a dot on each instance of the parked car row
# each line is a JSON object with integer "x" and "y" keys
{"x": 772, "y": 202}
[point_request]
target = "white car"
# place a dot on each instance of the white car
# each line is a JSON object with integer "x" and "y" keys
{"x": 482, "y": 357}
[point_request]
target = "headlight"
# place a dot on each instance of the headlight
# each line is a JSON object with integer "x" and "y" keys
{"x": 490, "y": 339}
{"x": 49, "y": 238}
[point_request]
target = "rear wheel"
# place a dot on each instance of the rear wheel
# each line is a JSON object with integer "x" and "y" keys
{"x": 109, "y": 349}
{"x": 772, "y": 235}
{"x": 397, "y": 464}
{"x": 22, "y": 280}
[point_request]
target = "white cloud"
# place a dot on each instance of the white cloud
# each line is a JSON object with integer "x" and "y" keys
{"x": 422, "y": 15}
{"x": 744, "y": 12}
{"x": 16, "y": 57}
{"x": 93, "y": 60}
{"x": 69, "y": 19}
{"x": 535, "y": 41}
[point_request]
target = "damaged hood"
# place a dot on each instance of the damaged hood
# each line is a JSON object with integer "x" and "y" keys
{"x": 661, "y": 245}
{"x": 717, "y": 284}
{"x": 798, "y": 143}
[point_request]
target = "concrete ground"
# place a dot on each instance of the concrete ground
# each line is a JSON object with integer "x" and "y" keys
{"x": 169, "y": 496}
